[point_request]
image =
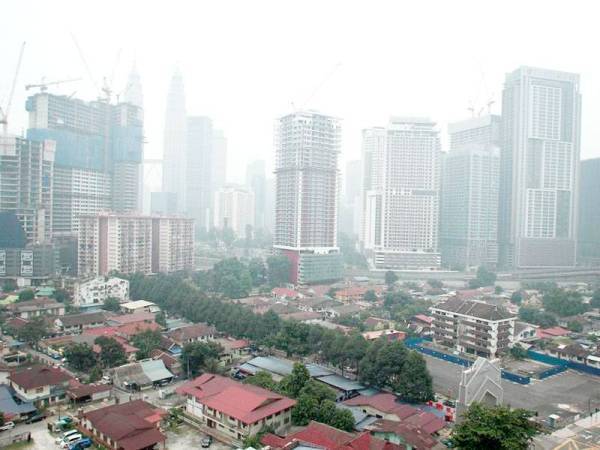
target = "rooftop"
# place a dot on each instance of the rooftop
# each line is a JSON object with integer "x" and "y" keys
{"x": 39, "y": 376}
{"x": 473, "y": 308}
{"x": 195, "y": 331}
{"x": 82, "y": 319}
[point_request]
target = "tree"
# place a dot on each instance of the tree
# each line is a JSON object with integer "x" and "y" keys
{"x": 575, "y": 326}
{"x": 390, "y": 278}
{"x": 33, "y": 331}
{"x": 564, "y": 303}
{"x": 25, "y": 295}
{"x": 161, "y": 319}
{"x": 258, "y": 271}
{"x": 9, "y": 285}
{"x": 370, "y": 296}
{"x": 112, "y": 304}
{"x": 305, "y": 410}
{"x": 278, "y": 270}
{"x": 231, "y": 278}
{"x": 62, "y": 296}
{"x": 533, "y": 315}
{"x": 415, "y": 384}
{"x": 483, "y": 278}
{"x": 343, "y": 420}
{"x": 435, "y": 284}
{"x": 196, "y": 356}
{"x": 497, "y": 427}
{"x": 146, "y": 341}
{"x": 293, "y": 383}
{"x": 80, "y": 357}
{"x": 262, "y": 379}
{"x": 516, "y": 297}
{"x": 518, "y": 352}
{"x": 112, "y": 353}
{"x": 498, "y": 290}
{"x": 595, "y": 301}
{"x": 95, "y": 374}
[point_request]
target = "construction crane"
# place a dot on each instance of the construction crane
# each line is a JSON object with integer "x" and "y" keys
{"x": 4, "y": 112}
{"x": 43, "y": 86}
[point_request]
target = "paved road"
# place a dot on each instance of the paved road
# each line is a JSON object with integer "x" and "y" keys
{"x": 545, "y": 396}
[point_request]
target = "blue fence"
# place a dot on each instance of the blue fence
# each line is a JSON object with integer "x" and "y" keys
{"x": 547, "y": 359}
{"x": 552, "y": 371}
{"x": 515, "y": 378}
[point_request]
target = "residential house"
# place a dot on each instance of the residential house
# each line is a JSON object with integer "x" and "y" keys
{"x": 76, "y": 323}
{"x": 12, "y": 407}
{"x": 82, "y": 393}
{"x": 111, "y": 332}
{"x": 172, "y": 363}
{"x": 141, "y": 375}
{"x": 233, "y": 411}
{"x": 473, "y": 327}
{"x": 350, "y": 309}
{"x": 43, "y": 385}
{"x": 389, "y": 335}
{"x": 410, "y": 436}
{"x": 525, "y": 331}
{"x": 377, "y": 323}
{"x": 551, "y": 333}
{"x": 421, "y": 324}
{"x": 320, "y": 436}
{"x": 124, "y": 319}
{"x": 126, "y": 426}
{"x": 351, "y": 294}
{"x": 322, "y": 305}
{"x": 138, "y": 306}
{"x": 233, "y": 349}
{"x": 198, "y": 332}
{"x": 42, "y": 306}
{"x": 285, "y": 294}
{"x": 92, "y": 294}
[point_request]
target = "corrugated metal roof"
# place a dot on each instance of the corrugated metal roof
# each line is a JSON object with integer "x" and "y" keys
{"x": 8, "y": 405}
{"x": 281, "y": 366}
{"x": 341, "y": 383}
{"x": 155, "y": 370}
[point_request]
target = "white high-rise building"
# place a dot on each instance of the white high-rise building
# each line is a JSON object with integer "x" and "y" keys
{"x": 135, "y": 95}
{"x": 469, "y": 217}
{"x": 541, "y": 115}
{"x": 307, "y": 149}
{"x": 234, "y": 209}
{"x": 402, "y": 194}
{"x": 175, "y": 142}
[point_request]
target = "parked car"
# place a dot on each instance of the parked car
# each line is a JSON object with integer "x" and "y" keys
{"x": 36, "y": 418}
{"x": 206, "y": 441}
{"x": 81, "y": 444}
{"x": 71, "y": 439}
{"x": 7, "y": 426}
{"x": 66, "y": 435}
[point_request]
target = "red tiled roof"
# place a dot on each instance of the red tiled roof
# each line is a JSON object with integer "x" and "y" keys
{"x": 424, "y": 318}
{"x": 127, "y": 347}
{"x": 411, "y": 434}
{"x": 427, "y": 422}
{"x": 330, "y": 438}
{"x": 284, "y": 292}
{"x": 131, "y": 329}
{"x": 16, "y": 322}
{"x": 551, "y": 332}
{"x": 242, "y": 401}
{"x": 87, "y": 389}
{"x": 385, "y": 403}
{"x": 352, "y": 291}
{"x": 39, "y": 376}
{"x": 128, "y": 424}
{"x": 101, "y": 331}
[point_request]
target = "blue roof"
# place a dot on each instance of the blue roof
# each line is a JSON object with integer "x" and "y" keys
{"x": 8, "y": 404}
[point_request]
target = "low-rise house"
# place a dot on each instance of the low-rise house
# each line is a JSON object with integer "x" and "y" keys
{"x": 43, "y": 385}
{"x": 389, "y": 335}
{"x": 83, "y": 393}
{"x": 172, "y": 364}
{"x": 124, "y": 319}
{"x": 233, "y": 411}
{"x": 42, "y": 306}
{"x": 141, "y": 375}
{"x": 321, "y": 305}
{"x": 198, "y": 332}
{"x": 350, "y": 309}
{"x": 92, "y": 294}
{"x": 139, "y": 306}
{"x": 351, "y": 294}
{"x": 377, "y": 323}
{"x": 571, "y": 352}
{"x": 525, "y": 331}
{"x": 233, "y": 349}
{"x": 126, "y": 426}
{"x": 551, "y": 333}
{"x": 12, "y": 407}
{"x": 76, "y": 323}
{"x": 410, "y": 436}
{"x": 320, "y": 436}
{"x": 111, "y": 332}
{"x": 128, "y": 330}
{"x": 285, "y": 294}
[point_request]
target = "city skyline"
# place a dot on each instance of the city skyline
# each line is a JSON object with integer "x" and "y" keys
{"x": 384, "y": 88}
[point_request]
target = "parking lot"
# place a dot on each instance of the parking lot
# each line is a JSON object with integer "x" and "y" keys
{"x": 568, "y": 389}
{"x": 187, "y": 438}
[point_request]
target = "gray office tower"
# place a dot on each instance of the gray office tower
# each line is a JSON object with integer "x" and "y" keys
{"x": 199, "y": 173}
{"x": 469, "y": 218}
{"x": 588, "y": 235}
{"x": 99, "y": 150}
{"x": 256, "y": 181}
{"x": 541, "y": 117}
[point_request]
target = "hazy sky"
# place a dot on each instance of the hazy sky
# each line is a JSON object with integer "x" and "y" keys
{"x": 245, "y": 62}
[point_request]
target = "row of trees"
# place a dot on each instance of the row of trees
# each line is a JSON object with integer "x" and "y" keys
{"x": 176, "y": 295}
{"x": 315, "y": 401}
{"x": 83, "y": 358}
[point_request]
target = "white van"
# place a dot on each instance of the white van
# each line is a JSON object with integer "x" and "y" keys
{"x": 65, "y": 435}
{"x": 70, "y": 440}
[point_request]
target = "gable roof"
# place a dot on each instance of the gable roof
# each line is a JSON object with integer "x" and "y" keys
{"x": 39, "y": 376}
{"x": 130, "y": 424}
{"x": 411, "y": 434}
{"x": 244, "y": 402}
{"x": 474, "y": 308}
{"x": 122, "y": 319}
{"x": 82, "y": 319}
{"x": 194, "y": 331}
{"x": 40, "y": 303}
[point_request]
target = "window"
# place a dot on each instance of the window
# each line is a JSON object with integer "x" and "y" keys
{"x": 38, "y": 390}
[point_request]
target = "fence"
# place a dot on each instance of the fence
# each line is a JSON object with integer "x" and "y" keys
{"x": 547, "y": 359}
{"x": 515, "y": 378}
{"x": 552, "y": 371}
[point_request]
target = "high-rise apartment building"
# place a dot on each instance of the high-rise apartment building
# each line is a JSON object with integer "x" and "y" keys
{"x": 588, "y": 235}
{"x": 234, "y": 209}
{"x": 541, "y": 115}
{"x": 402, "y": 194}
{"x": 307, "y": 149}
{"x": 469, "y": 217}
{"x": 131, "y": 243}
{"x": 175, "y": 142}
{"x": 99, "y": 149}
{"x": 199, "y": 170}
{"x": 26, "y": 177}
{"x": 256, "y": 180}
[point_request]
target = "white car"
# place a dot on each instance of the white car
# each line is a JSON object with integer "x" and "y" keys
{"x": 7, "y": 426}
{"x": 65, "y": 435}
{"x": 70, "y": 440}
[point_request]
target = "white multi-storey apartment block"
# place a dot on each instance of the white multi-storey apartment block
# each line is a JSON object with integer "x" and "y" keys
{"x": 469, "y": 217}
{"x": 307, "y": 149}
{"x": 92, "y": 293}
{"x": 473, "y": 327}
{"x": 401, "y": 194}
{"x": 234, "y": 209}
{"x": 541, "y": 113}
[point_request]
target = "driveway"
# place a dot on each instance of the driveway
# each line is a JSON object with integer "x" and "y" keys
{"x": 188, "y": 438}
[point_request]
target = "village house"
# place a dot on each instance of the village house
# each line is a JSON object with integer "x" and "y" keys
{"x": 76, "y": 323}
{"x": 389, "y": 335}
{"x": 126, "y": 426}
{"x": 43, "y": 385}
{"x": 42, "y": 306}
{"x": 139, "y": 306}
{"x": 198, "y": 332}
{"x": 233, "y": 411}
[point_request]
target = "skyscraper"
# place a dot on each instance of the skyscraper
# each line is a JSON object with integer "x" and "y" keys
{"x": 307, "y": 148}
{"x": 588, "y": 236}
{"x": 401, "y": 194}
{"x": 469, "y": 217}
{"x": 234, "y": 209}
{"x": 220, "y": 159}
{"x": 99, "y": 149}
{"x": 256, "y": 180}
{"x": 134, "y": 95}
{"x": 26, "y": 176}
{"x": 199, "y": 173}
{"x": 541, "y": 115}
{"x": 175, "y": 142}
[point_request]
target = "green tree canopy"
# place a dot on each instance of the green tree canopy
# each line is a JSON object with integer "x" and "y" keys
{"x": 112, "y": 304}
{"x": 278, "y": 270}
{"x": 370, "y": 296}
{"x": 197, "y": 356}
{"x": 499, "y": 427}
{"x": 262, "y": 379}
{"x": 258, "y": 271}
{"x": 112, "y": 353}
{"x": 516, "y": 297}
{"x": 146, "y": 341}
{"x": 80, "y": 357}
{"x": 33, "y": 331}
{"x": 483, "y": 278}
{"x": 25, "y": 295}
{"x": 564, "y": 303}
{"x": 390, "y": 278}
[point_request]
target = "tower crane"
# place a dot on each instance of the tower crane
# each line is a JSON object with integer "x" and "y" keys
{"x": 43, "y": 86}
{"x": 4, "y": 112}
